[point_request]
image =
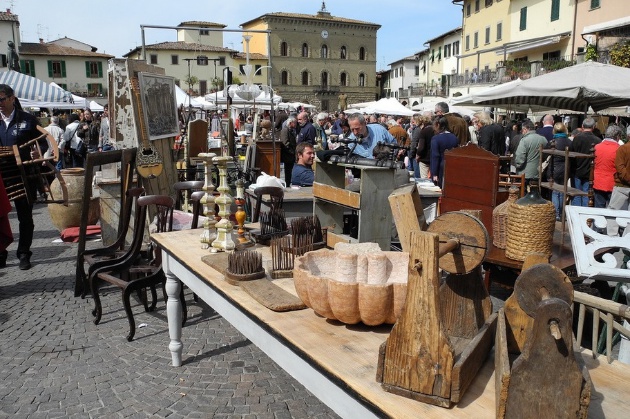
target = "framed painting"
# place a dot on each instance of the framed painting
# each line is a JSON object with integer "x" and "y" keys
{"x": 159, "y": 104}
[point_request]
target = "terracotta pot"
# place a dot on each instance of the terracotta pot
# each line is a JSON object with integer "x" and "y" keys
{"x": 63, "y": 216}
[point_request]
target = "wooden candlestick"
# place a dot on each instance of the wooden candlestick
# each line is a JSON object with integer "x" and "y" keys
{"x": 209, "y": 226}
{"x": 224, "y": 227}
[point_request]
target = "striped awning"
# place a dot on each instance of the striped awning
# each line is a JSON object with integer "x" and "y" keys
{"x": 31, "y": 88}
{"x": 577, "y": 87}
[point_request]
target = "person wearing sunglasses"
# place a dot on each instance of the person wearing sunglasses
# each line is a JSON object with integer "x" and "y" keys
{"x": 18, "y": 127}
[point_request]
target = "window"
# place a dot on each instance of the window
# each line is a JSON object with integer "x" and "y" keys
{"x": 304, "y": 78}
{"x": 361, "y": 80}
{"x": 439, "y": 55}
{"x": 488, "y": 3}
{"x": 361, "y": 53}
{"x": 95, "y": 89}
{"x": 467, "y": 42}
{"x": 64, "y": 86}
{"x": 284, "y": 78}
{"x": 476, "y": 40}
{"x": 552, "y": 55}
{"x": 56, "y": 68}
{"x": 477, "y": 7}
{"x": 204, "y": 32}
{"x": 396, "y": 73}
{"x": 174, "y": 59}
{"x": 325, "y": 80}
{"x": 284, "y": 49}
{"x": 241, "y": 69}
{"x": 447, "y": 50}
{"x": 424, "y": 67}
{"x": 417, "y": 70}
{"x": 343, "y": 79}
{"x": 343, "y": 53}
{"x": 594, "y": 4}
{"x": 499, "y": 31}
{"x": 555, "y": 10}
{"x": 203, "y": 87}
{"x": 523, "y": 24}
{"x": 153, "y": 59}
{"x": 487, "y": 35}
{"x": 324, "y": 51}
{"x": 27, "y": 67}
{"x": 468, "y": 7}
{"x": 304, "y": 50}
{"x": 257, "y": 71}
{"x": 93, "y": 69}
{"x": 456, "y": 48}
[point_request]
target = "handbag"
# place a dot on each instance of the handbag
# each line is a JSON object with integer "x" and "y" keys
{"x": 81, "y": 148}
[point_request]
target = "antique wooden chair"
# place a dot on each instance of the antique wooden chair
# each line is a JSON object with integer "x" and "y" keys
{"x": 276, "y": 196}
{"x": 197, "y": 208}
{"x": 127, "y": 160}
{"x": 508, "y": 180}
{"x": 126, "y": 272}
{"x": 183, "y": 191}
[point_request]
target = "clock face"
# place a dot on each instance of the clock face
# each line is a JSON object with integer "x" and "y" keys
{"x": 324, "y": 34}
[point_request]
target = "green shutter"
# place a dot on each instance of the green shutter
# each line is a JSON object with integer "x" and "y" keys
{"x": 87, "y": 69}
{"x": 50, "y": 69}
{"x": 594, "y": 4}
{"x": 22, "y": 67}
{"x": 555, "y": 10}
{"x": 32, "y": 67}
{"x": 523, "y": 25}
{"x": 63, "y": 69}
{"x": 100, "y": 69}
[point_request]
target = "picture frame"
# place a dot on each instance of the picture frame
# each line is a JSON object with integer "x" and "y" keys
{"x": 159, "y": 105}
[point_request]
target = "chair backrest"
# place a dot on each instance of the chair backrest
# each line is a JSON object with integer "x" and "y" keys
{"x": 507, "y": 180}
{"x": 276, "y": 196}
{"x": 197, "y": 208}
{"x": 185, "y": 189}
{"x": 131, "y": 196}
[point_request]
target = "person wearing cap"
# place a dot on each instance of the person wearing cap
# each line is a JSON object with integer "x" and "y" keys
{"x": 18, "y": 127}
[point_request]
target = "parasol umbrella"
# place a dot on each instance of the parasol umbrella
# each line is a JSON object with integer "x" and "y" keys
{"x": 577, "y": 87}
{"x": 31, "y": 88}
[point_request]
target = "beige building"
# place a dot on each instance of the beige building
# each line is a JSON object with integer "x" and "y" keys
{"x": 600, "y": 23}
{"x": 442, "y": 62}
{"x": 198, "y": 53}
{"x": 317, "y": 57}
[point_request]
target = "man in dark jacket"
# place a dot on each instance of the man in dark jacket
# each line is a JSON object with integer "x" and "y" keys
{"x": 583, "y": 143}
{"x": 21, "y": 128}
{"x": 456, "y": 123}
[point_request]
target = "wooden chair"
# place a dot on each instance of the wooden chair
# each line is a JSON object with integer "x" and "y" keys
{"x": 276, "y": 195}
{"x": 96, "y": 258}
{"x": 197, "y": 208}
{"x": 126, "y": 272}
{"x": 183, "y": 191}
{"x": 127, "y": 160}
{"x": 508, "y": 180}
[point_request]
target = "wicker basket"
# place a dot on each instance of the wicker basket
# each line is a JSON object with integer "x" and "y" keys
{"x": 530, "y": 230}
{"x": 499, "y": 219}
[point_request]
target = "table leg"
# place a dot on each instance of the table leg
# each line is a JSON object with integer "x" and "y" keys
{"x": 174, "y": 313}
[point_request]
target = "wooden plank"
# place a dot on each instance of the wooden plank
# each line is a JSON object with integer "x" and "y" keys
{"x": 406, "y": 206}
{"x": 333, "y": 238}
{"x": 348, "y": 356}
{"x": 501, "y": 365}
{"x": 340, "y": 196}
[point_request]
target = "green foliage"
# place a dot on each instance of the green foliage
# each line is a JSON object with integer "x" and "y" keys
{"x": 620, "y": 54}
{"x": 591, "y": 52}
{"x": 191, "y": 81}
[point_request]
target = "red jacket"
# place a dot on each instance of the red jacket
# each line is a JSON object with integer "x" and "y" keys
{"x": 604, "y": 171}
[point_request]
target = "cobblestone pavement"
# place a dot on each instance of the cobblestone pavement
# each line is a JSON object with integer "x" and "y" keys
{"x": 55, "y": 363}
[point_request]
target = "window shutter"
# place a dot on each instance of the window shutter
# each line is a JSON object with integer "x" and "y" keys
{"x": 63, "y": 69}
{"x": 87, "y": 69}
{"x": 22, "y": 67}
{"x": 50, "y": 69}
{"x": 100, "y": 69}
{"x": 555, "y": 10}
{"x": 32, "y": 67}
{"x": 523, "y": 24}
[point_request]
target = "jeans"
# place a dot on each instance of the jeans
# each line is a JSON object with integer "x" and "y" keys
{"x": 581, "y": 201}
{"x": 557, "y": 198}
{"x": 415, "y": 167}
{"x": 601, "y": 198}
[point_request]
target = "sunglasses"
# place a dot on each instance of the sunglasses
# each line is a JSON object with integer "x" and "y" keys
{"x": 2, "y": 99}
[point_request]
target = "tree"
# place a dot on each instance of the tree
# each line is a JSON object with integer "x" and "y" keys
{"x": 191, "y": 81}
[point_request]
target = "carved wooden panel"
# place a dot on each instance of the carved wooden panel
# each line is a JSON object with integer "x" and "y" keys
{"x": 590, "y": 240}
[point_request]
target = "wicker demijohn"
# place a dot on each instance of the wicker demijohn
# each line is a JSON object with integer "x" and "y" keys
{"x": 530, "y": 226}
{"x": 499, "y": 219}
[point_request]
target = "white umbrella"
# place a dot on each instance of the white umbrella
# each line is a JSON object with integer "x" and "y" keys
{"x": 78, "y": 101}
{"x": 96, "y": 107}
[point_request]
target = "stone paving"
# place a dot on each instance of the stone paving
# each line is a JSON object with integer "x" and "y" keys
{"x": 55, "y": 363}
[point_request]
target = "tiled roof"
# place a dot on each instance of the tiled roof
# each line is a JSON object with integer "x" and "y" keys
{"x": 181, "y": 46}
{"x": 34, "y": 48}
{"x": 201, "y": 23}
{"x": 8, "y": 17}
{"x": 322, "y": 17}
{"x": 252, "y": 56}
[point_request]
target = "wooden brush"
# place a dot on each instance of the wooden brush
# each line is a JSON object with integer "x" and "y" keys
{"x": 281, "y": 258}
{"x": 244, "y": 266}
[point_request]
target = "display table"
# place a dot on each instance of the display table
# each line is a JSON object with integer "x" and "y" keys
{"x": 337, "y": 362}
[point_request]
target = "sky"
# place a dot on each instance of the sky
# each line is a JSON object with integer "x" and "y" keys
{"x": 113, "y": 26}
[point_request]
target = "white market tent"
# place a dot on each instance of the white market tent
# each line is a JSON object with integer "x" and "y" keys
{"x": 261, "y": 98}
{"x": 95, "y": 107}
{"x": 388, "y": 106}
{"x": 78, "y": 101}
{"x": 185, "y": 99}
{"x": 31, "y": 88}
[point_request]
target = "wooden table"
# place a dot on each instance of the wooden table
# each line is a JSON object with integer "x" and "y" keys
{"x": 337, "y": 362}
{"x": 296, "y": 202}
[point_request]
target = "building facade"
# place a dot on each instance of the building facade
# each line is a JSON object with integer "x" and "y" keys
{"x": 198, "y": 56}
{"x": 599, "y": 24}
{"x": 315, "y": 58}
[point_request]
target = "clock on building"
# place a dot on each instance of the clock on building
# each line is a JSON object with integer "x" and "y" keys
{"x": 324, "y": 34}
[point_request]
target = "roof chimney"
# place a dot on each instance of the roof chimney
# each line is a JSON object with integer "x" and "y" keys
{"x": 41, "y": 40}
{"x": 9, "y": 11}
